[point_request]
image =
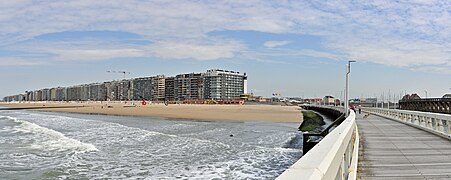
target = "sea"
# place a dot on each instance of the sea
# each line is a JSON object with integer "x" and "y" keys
{"x": 50, "y": 145}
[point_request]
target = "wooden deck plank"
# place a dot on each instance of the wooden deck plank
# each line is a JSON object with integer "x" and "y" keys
{"x": 392, "y": 150}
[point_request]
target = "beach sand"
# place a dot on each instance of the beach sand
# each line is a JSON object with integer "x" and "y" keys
{"x": 266, "y": 113}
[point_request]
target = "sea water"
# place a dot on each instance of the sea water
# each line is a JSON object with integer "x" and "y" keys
{"x": 46, "y": 145}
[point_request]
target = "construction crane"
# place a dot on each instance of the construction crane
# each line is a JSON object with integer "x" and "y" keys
{"x": 122, "y": 72}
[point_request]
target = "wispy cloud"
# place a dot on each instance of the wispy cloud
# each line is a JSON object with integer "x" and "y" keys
{"x": 398, "y": 53}
{"x": 319, "y": 54}
{"x": 202, "y": 52}
{"x": 21, "y": 62}
{"x": 434, "y": 69}
{"x": 395, "y": 33}
{"x": 92, "y": 50}
{"x": 272, "y": 44}
{"x": 95, "y": 54}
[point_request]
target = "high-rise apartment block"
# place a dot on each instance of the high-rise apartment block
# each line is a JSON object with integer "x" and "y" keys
{"x": 158, "y": 88}
{"x": 215, "y": 84}
{"x": 142, "y": 88}
{"x": 224, "y": 85}
{"x": 169, "y": 88}
{"x": 188, "y": 86}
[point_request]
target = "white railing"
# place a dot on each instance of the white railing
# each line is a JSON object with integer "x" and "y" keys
{"x": 432, "y": 122}
{"x": 334, "y": 157}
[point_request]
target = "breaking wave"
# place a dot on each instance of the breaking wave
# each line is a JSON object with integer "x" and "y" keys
{"x": 49, "y": 139}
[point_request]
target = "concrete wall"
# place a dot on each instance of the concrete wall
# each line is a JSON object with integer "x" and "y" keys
{"x": 335, "y": 157}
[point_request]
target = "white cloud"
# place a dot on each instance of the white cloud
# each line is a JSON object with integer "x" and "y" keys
{"x": 272, "y": 44}
{"x": 95, "y": 54}
{"x": 395, "y": 33}
{"x": 202, "y": 52}
{"x": 20, "y": 62}
{"x": 396, "y": 52}
{"x": 319, "y": 54}
{"x": 435, "y": 69}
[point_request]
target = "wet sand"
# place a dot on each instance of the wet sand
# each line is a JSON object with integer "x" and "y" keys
{"x": 266, "y": 113}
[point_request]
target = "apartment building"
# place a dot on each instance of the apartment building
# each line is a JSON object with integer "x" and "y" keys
{"x": 169, "y": 88}
{"x": 142, "y": 88}
{"x": 158, "y": 88}
{"x": 188, "y": 87}
{"x": 215, "y": 84}
{"x": 224, "y": 85}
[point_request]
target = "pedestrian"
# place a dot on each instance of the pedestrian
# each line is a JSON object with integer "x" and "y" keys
{"x": 352, "y": 107}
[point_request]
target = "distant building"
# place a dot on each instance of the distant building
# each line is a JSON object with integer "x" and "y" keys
{"x": 14, "y": 98}
{"x": 73, "y": 93}
{"x": 329, "y": 100}
{"x": 188, "y": 86}
{"x": 61, "y": 94}
{"x": 313, "y": 101}
{"x": 45, "y": 95}
{"x": 94, "y": 91}
{"x": 215, "y": 84}
{"x": 84, "y": 92}
{"x": 38, "y": 95}
{"x": 224, "y": 85}
{"x": 52, "y": 94}
{"x": 29, "y": 96}
{"x": 365, "y": 102}
{"x": 410, "y": 97}
{"x": 158, "y": 88}
{"x": 142, "y": 88}
{"x": 370, "y": 100}
{"x": 124, "y": 91}
{"x": 169, "y": 88}
{"x": 252, "y": 98}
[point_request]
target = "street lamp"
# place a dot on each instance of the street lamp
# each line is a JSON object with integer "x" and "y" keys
{"x": 348, "y": 71}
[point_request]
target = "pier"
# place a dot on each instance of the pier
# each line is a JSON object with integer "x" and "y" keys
{"x": 393, "y": 150}
{"x": 380, "y": 144}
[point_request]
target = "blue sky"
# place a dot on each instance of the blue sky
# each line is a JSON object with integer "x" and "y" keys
{"x": 295, "y": 48}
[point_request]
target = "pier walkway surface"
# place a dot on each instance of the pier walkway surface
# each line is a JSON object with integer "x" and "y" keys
{"x": 392, "y": 150}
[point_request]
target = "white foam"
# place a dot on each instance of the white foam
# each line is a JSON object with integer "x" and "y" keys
{"x": 49, "y": 139}
{"x": 148, "y": 133}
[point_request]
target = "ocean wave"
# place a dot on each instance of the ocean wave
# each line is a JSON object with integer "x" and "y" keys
{"x": 259, "y": 163}
{"x": 49, "y": 139}
{"x": 79, "y": 120}
{"x": 295, "y": 142}
{"x": 148, "y": 132}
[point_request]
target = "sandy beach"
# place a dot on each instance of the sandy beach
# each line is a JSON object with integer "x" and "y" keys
{"x": 266, "y": 113}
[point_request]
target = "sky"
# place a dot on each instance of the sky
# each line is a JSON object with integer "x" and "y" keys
{"x": 293, "y": 48}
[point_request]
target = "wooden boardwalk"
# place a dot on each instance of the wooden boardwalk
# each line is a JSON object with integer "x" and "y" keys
{"x": 392, "y": 150}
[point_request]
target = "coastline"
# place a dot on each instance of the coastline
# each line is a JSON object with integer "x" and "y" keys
{"x": 198, "y": 112}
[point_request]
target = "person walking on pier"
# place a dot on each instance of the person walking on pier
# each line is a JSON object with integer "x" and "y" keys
{"x": 352, "y": 107}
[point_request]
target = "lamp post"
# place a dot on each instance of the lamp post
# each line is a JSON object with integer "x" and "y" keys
{"x": 348, "y": 71}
